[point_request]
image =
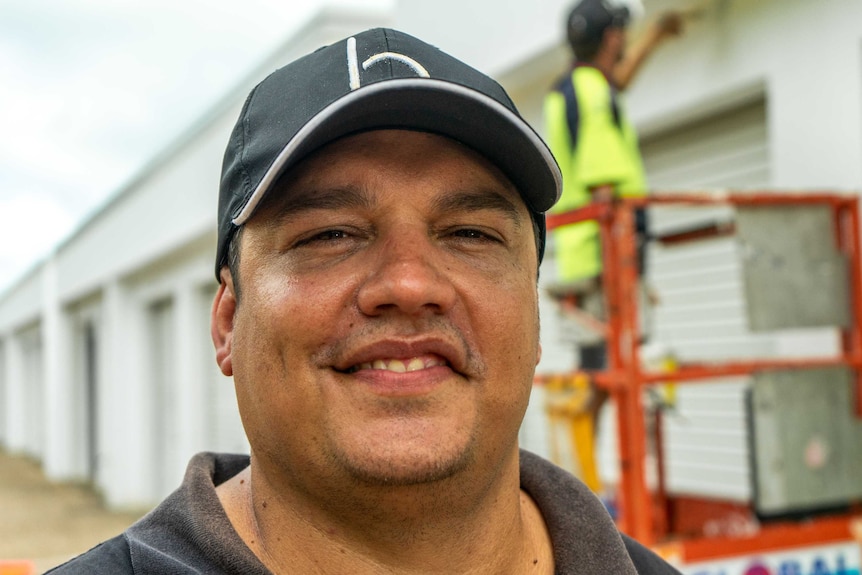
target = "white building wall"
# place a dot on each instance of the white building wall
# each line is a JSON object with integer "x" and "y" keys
{"x": 809, "y": 56}
{"x": 21, "y": 304}
{"x": 492, "y": 36}
{"x": 58, "y": 397}
{"x": 14, "y": 409}
{"x": 30, "y": 414}
{"x": 169, "y": 391}
{"x": 189, "y": 381}
{"x": 122, "y": 472}
{"x": 4, "y": 387}
{"x": 167, "y": 208}
{"x": 85, "y": 339}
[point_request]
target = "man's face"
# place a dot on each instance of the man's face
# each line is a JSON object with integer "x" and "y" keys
{"x": 615, "y": 41}
{"x": 388, "y": 326}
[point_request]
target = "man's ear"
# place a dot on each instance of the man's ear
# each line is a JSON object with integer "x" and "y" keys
{"x": 221, "y": 322}
{"x": 538, "y": 353}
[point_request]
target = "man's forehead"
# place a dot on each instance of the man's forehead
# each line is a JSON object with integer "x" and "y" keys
{"x": 338, "y": 174}
{"x": 374, "y": 144}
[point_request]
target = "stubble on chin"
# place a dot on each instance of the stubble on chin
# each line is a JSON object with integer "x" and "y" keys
{"x": 394, "y": 467}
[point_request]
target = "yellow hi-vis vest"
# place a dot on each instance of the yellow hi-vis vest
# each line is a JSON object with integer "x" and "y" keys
{"x": 605, "y": 152}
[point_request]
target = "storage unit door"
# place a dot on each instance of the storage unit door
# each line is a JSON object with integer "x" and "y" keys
{"x": 701, "y": 314}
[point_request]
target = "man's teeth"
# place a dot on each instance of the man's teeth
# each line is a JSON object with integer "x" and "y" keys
{"x": 399, "y": 365}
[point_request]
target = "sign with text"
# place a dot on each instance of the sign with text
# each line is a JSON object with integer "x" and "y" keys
{"x": 840, "y": 559}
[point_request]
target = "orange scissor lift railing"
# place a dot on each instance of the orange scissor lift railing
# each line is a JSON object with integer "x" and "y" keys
{"x": 643, "y": 513}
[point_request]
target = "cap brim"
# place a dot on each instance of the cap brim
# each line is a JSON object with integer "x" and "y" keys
{"x": 452, "y": 110}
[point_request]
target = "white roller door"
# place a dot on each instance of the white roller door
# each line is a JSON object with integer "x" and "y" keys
{"x": 702, "y": 313}
{"x": 163, "y": 389}
{"x": 727, "y": 150}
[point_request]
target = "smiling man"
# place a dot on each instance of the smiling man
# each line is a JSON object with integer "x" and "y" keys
{"x": 381, "y": 224}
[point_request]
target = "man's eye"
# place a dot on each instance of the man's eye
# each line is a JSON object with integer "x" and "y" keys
{"x": 474, "y": 234}
{"x": 324, "y": 236}
{"x": 331, "y": 235}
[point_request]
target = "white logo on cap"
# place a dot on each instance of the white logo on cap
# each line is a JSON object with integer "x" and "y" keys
{"x": 353, "y": 63}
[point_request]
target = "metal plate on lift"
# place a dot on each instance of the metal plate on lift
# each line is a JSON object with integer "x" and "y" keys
{"x": 794, "y": 276}
{"x": 806, "y": 441}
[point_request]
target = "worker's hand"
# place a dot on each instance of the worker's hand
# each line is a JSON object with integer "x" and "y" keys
{"x": 669, "y": 24}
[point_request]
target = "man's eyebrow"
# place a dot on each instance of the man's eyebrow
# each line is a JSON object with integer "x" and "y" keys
{"x": 310, "y": 199}
{"x": 479, "y": 200}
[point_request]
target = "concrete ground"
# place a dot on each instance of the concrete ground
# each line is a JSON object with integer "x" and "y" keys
{"x": 48, "y": 523}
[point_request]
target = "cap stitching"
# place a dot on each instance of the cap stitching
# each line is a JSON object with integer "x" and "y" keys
{"x": 388, "y": 49}
{"x": 246, "y": 121}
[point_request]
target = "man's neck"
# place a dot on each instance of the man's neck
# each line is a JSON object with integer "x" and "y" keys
{"x": 417, "y": 529}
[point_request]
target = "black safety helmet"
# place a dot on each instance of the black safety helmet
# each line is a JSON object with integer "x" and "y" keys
{"x": 588, "y": 21}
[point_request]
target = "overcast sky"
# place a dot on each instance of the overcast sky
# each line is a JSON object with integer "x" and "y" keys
{"x": 90, "y": 90}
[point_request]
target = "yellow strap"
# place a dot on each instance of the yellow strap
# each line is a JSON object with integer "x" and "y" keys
{"x": 583, "y": 438}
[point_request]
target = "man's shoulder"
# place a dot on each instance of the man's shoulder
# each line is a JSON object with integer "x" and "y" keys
{"x": 646, "y": 561}
{"x": 112, "y": 556}
{"x": 581, "y": 529}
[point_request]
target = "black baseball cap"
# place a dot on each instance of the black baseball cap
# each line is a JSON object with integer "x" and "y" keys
{"x": 377, "y": 79}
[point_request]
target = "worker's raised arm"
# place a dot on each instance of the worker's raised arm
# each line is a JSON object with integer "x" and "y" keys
{"x": 667, "y": 25}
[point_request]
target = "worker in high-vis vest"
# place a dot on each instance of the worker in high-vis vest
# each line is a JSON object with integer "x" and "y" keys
{"x": 597, "y": 150}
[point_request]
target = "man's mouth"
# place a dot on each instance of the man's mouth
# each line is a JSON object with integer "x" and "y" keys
{"x": 399, "y": 365}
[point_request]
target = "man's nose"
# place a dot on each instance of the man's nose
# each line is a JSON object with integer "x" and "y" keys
{"x": 407, "y": 276}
